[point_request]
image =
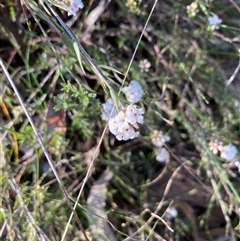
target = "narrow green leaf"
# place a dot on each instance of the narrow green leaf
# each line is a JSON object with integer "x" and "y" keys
{"x": 115, "y": 99}
{"x": 68, "y": 42}
{"x": 110, "y": 68}
{"x": 77, "y": 51}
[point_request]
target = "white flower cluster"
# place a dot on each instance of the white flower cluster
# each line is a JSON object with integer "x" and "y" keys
{"x": 122, "y": 125}
{"x": 133, "y": 92}
{"x": 144, "y": 65}
{"x": 72, "y": 6}
{"x": 158, "y": 140}
{"x": 108, "y": 110}
{"x": 214, "y": 21}
{"x": 215, "y": 146}
{"x": 227, "y": 152}
{"x": 192, "y": 9}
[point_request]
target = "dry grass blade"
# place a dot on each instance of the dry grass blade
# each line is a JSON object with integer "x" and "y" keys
{"x": 95, "y": 14}
{"x": 138, "y": 43}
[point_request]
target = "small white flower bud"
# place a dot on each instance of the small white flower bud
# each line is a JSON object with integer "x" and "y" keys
{"x": 158, "y": 139}
{"x": 161, "y": 154}
{"x": 171, "y": 213}
{"x": 144, "y": 65}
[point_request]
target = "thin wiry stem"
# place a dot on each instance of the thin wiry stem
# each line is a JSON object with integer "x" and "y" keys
{"x": 138, "y": 43}
{"x": 228, "y": 82}
{"x": 39, "y": 139}
{"x": 163, "y": 221}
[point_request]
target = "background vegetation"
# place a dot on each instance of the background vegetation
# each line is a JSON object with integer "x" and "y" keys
{"x": 191, "y": 93}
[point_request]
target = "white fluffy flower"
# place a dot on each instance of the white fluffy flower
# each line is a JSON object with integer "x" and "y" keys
{"x": 158, "y": 139}
{"x": 144, "y": 65}
{"x": 123, "y": 124}
{"x": 171, "y": 212}
{"x": 108, "y": 110}
{"x": 133, "y": 92}
{"x": 161, "y": 154}
{"x": 214, "y": 21}
{"x": 72, "y": 6}
{"x": 229, "y": 152}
